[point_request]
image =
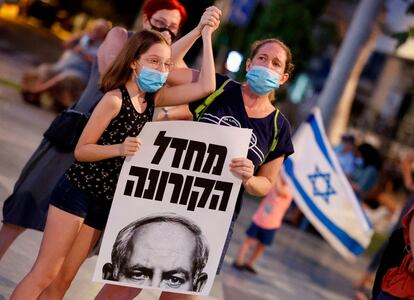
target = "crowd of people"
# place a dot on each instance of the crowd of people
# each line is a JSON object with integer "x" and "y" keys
{"x": 392, "y": 265}
{"x": 127, "y": 76}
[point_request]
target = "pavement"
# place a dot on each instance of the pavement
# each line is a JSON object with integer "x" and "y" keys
{"x": 298, "y": 265}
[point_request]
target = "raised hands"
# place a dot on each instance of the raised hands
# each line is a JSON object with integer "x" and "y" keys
{"x": 210, "y": 19}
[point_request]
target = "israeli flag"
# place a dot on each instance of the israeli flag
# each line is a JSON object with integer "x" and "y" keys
{"x": 322, "y": 191}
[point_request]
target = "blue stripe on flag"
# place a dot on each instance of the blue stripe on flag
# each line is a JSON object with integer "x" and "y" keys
{"x": 318, "y": 137}
{"x": 352, "y": 245}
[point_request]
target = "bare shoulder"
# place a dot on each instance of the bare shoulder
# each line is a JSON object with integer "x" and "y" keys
{"x": 116, "y": 38}
{"x": 112, "y": 99}
{"x": 117, "y": 33}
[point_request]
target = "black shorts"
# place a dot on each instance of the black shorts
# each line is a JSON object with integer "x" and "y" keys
{"x": 71, "y": 199}
{"x": 264, "y": 236}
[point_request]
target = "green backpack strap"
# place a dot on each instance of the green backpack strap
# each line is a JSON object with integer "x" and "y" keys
{"x": 275, "y": 137}
{"x": 199, "y": 111}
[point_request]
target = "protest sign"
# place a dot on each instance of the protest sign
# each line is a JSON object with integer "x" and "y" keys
{"x": 172, "y": 208}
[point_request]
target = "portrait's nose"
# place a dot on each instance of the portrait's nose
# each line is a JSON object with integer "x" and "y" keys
{"x": 156, "y": 279}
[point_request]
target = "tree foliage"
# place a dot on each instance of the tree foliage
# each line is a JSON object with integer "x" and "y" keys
{"x": 292, "y": 21}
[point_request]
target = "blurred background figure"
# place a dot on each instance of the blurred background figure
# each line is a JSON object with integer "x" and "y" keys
{"x": 345, "y": 152}
{"x": 398, "y": 281}
{"x": 367, "y": 169}
{"x": 66, "y": 79}
{"x": 391, "y": 253}
{"x": 265, "y": 222}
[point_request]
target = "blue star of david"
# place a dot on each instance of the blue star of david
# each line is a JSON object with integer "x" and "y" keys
{"x": 317, "y": 190}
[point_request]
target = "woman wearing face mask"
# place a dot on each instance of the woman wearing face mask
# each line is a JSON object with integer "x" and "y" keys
{"x": 245, "y": 105}
{"x": 81, "y": 200}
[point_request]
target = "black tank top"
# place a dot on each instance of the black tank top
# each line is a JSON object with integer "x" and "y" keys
{"x": 98, "y": 179}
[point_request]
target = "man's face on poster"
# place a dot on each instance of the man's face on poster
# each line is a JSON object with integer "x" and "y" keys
{"x": 162, "y": 256}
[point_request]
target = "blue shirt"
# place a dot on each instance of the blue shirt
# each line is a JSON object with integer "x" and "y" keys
{"x": 228, "y": 110}
{"x": 366, "y": 177}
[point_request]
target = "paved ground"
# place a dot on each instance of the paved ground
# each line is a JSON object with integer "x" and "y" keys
{"x": 298, "y": 266}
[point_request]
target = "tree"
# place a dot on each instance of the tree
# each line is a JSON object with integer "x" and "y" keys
{"x": 291, "y": 21}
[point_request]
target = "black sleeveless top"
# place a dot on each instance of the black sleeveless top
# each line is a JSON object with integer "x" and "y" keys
{"x": 98, "y": 179}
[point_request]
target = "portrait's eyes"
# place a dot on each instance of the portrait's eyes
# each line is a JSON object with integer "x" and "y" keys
{"x": 174, "y": 281}
{"x": 262, "y": 58}
{"x": 137, "y": 275}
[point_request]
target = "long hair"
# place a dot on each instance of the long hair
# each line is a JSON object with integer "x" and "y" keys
{"x": 152, "y": 6}
{"x": 370, "y": 155}
{"x": 119, "y": 72}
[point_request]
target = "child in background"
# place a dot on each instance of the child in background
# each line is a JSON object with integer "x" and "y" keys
{"x": 265, "y": 222}
{"x": 345, "y": 152}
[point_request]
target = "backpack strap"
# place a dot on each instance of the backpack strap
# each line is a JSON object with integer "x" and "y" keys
{"x": 275, "y": 137}
{"x": 199, "y": 111}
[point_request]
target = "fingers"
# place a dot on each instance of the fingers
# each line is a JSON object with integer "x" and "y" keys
{"x": 131, "y": 145}
{"x": 133, "y": 139}
{"x": 211, "y": 17}
{"x": 206, "y": 30}
{"x": 243, "y": 172}
{"x": 214, "y": 9}
{"x": 241, "y": 161}
{"x": 243, "y": 167}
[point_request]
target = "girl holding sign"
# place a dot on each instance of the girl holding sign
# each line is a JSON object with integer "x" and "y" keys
{"x": 81, "y": 200}
{"x": 245, "y": 105}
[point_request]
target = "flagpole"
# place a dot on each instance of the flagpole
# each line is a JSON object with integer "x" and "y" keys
{"x": 351, "y": 47}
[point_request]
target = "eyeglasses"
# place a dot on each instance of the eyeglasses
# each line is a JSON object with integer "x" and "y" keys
{"x": 157, "y": 63}
{"x": 160, "y": 24}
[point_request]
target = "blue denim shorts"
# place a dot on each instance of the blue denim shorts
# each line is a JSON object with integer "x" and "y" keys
{"x": 264, "y": 236}
{"x": 71, "y": 199}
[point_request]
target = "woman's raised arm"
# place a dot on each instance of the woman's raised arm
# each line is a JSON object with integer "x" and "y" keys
{"x": 191, "y": 91}
{"x": 211, "y": 17}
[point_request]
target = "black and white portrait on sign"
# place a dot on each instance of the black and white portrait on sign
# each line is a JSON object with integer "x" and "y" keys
{"x": 172, "y": 208}
{"x": 164, "y": 251}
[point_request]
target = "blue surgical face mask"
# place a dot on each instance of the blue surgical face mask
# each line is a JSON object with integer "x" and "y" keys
{"x": 262, "y": 80}
{"x": 150, "y": 80}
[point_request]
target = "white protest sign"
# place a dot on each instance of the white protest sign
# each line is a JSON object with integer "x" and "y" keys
{"x": 172, "y": 208}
